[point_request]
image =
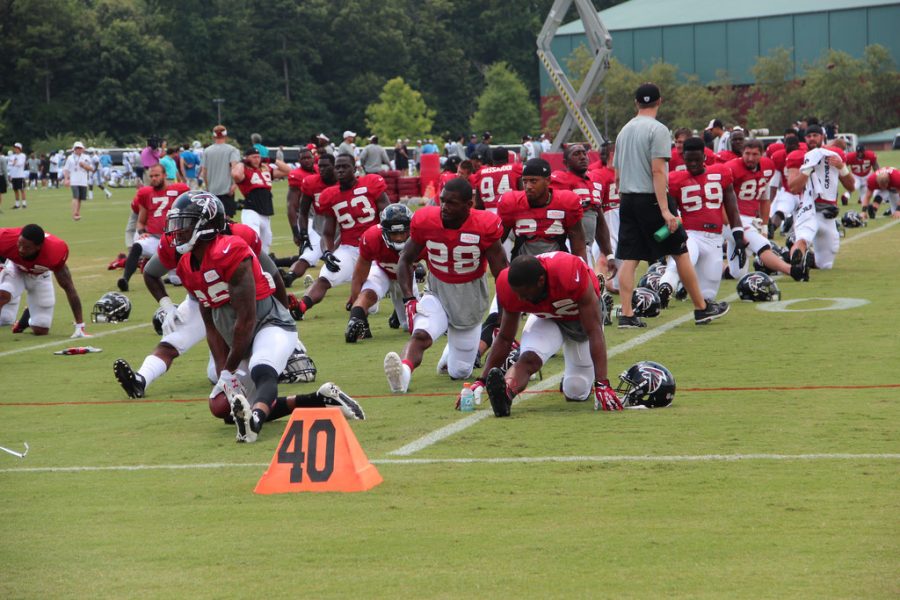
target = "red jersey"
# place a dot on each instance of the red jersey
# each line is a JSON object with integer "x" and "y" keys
{"x": 872, "y": 182}
{"x": 493, "y": 182}
{"x": 373, "y": 248}
{"x": 725, "y": 156}
{"x": 209, "y": 283}
{"x": 547, "y": 222}
{"x": 750, "y": 186}
{"x": 568, "y": 278}
{"x": 607, "y": 178}
{"x": 455, "y": 255}
{"x": 442, "y": 181}
{"x": 861, "y": 165}
{"x": 260, "y": 178}
{"x": 589, "y": 188}
{"x": 676, "y": 162}
{"x": 296, "y": 176}
{"x": 52, "y": 256}
{"x": 699, "y": 197}
{"x": 773, "y": 148}
{"x": 794, "y": 160}
{"x": 157, "y": 204}
{"x": 779, "y": 159}
{"x": 169, "y": 256}
{"x": 355, "y": 209}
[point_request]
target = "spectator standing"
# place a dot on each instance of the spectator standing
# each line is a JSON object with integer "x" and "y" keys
{"x": 643, "y": 148}
{"x": 545, "y": 143}
{"x": 216, "y": 165}
{"x": 484, "y": 148}
{"x": 348, "y": 146}
{"x": 4, "y": 172}
{"x": 190, "y": 164}
{"x": 324, "y": 145}
{"x": 168, "y": 163}
{"x": 150, "y": 156}
{"x": 17, "y": 166}
{"x": 76, "y": 172}
{"x": 34, "y": 171}
{"x": 256, "y": 140}
{"x": 461, "y": 147}
{"x": 401, "y": 156}
{"x": 374, "y": 158}
{"x": 279, "y": 154}
{"x": 471, "y": 146}
{"x": 45, "y": 169}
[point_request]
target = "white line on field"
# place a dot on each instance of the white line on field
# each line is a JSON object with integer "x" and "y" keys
{"x": 550, "y": 382}
{"x": 646, "y": 458}
{"x": 868, "y": 232}
{"x": 76, "y": 341}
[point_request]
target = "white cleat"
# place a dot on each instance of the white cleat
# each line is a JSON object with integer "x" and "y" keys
{"x": 240, "y": 412}
{"x": 393, "y": 370}
{"x": 443, "y": 360}
{"x": 307, "y": 282}
{"x": 333, "y": 396}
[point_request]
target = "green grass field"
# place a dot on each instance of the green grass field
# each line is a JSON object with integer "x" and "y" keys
{"x": 775, "y": 473}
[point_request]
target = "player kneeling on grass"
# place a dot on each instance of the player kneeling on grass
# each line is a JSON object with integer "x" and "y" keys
{"x": 376, "y": 271}
{"x": 246, "y": 325}
{"x": 562, "y": 296}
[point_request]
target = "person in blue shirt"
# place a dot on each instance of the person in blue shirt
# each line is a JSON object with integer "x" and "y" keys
{"x": 256, "y": 139}
{"x": 168, "y": 163}
{"x": 189, "y": 168}
{"x": 430, "y": 147}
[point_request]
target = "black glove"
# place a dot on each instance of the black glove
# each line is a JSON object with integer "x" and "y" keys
{"x": 740, "y": 251}
{"x": 332, "y": 262}
{"x": 301, "y": 238}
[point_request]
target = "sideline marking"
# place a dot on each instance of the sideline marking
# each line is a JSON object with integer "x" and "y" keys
{"x": 784, "y": 306}
{"x": 73, "y": 341}
{"x": 648, "y": 458}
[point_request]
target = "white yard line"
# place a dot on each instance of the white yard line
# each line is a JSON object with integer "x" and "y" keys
{"x": 87, "y": 341}
{"x": 647, "y": 458}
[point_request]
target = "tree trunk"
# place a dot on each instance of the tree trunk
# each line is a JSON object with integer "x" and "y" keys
{"x": 284, "y": 64}
{"x": 47, "y": 87}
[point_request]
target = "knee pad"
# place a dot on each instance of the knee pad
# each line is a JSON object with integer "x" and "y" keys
{"x": 577, "y": 387}
{"x": 265, "y": 378}
{"x": 458, "y": 369}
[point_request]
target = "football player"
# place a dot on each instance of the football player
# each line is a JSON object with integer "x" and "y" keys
{"x": 376, "y": 271}
{"x": 607, "y": 177}
{"x": 814, "y": 176}
{"x": 255, "y": 182}
{"x": 736, "y": 140}
{"x": 700, "y": 192}
{"x": 751, "y": 174}
{"x": 562, "y": 296}
{"x": 492, "y": 181}
{"x": 784, "y": 201}
{"x": 880, "y": 184}
{"x": 861, "y": 163}
{"x": 31, "y": 256}
{"x": 460, "y": 243}
{"x": 308, "y": 229}
{"x": 153, "y": 203}
{"x": 677, "y": 161}
{"x": 351, "y": 206}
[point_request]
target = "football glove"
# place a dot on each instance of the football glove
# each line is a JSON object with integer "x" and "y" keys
{"x": 740, "y": 248}
{"x": 411, "y": 305}
{"x": 79, "y": 331}
{"x": 295, "y": 308}
{"x": 605, "y": 397}
{"x": 301, "y": 238}
{"x": 229, "y": 384}
{"x": 477, "y": 391}
{"x": 172, "y": 319}
{"x": 332, "y": 262}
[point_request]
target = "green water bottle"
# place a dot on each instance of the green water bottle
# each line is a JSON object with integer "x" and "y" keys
{"x": 662, "y": 233}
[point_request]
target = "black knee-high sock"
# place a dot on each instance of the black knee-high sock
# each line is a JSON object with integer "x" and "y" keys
{"x": 131, "y": 263}
{"x": 359, "y": 312}
{"x": 285, "y": 405}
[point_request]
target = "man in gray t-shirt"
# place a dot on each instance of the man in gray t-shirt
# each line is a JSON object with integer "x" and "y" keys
{"x": 215, "y": 169}
{"x": 648, "y": 227}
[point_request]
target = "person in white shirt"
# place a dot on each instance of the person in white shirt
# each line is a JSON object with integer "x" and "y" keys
{"x": 17, "y": 175}
{"x": 76, "y": 173}
{"x": 55, "y": 162}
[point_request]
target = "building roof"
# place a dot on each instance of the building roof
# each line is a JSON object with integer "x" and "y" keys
{"x": 887, "y": 135}
{"x": 638, "y": 14}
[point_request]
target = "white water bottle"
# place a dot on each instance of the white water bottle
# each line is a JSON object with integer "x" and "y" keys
{"x": 467, "y": 398}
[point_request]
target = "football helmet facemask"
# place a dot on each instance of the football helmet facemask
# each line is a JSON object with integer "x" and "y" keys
{"x": 195, "y": 215}
{"x": 851, "y": 219}
{"x": 758, "y": 287}
{"x": 647, "y": 384}
{"x": 395, "y": 218}
{"x": 112, "y": 307}
{"x": 300, "y": 368}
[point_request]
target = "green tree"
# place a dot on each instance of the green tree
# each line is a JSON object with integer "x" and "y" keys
{"x": 399, "y": 112}
{"x": 779, "y": 99}
{"x": 505, "y": 107}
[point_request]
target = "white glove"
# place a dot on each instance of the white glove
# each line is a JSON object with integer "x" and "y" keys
{"x": 172, "y": 319}
{"x": 229, "y": 383}
{"x": 79, "y": 332}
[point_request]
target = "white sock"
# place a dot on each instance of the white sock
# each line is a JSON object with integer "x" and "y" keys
{"x": 405, "y": 376}
{"x": 153, "y": 368}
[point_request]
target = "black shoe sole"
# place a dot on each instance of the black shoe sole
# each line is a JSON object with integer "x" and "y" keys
{"x": 710, "y": 318}
{"x": 122, "y": 285}
{"x": 127, "y": 379}
{"x": 495, "y": 385}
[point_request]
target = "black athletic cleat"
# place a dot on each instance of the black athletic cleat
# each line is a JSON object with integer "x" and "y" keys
{"x": 665, "y": 292}
{"x": 133, "y": 383}
{"x": 332, "y": 395}
{"x": 800, "y": 265}
{"x": 287, "y": 276}
{"x": 713, "y": 311}
{"x": 871, "y": 211}
{"x": 123, "y": 284}
{"x": 498, "y": 392}
{"x": 394, "y": 321}
{"x": 22, "y": 324}
{"x": 631, "y": 322}
{"x": 355, "y": 330}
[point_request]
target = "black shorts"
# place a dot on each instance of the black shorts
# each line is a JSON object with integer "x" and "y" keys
{"x": 2, "y": 184}
{"x": 230, "y": 204}
{"x": 639, "y": 219}
{"x": 79, "y": 192}
{"x": 18, "y": 183}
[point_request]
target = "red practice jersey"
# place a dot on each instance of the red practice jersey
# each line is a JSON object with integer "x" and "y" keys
{"x": 442, "y": 181}
{"x": 773, "y": 148}
{"x": 355, "y": 209}
{"x": 52, "y": 256}
{"x": 373, "y": 248}
{"x": 260, "y": 178}
{"x": 169, "y": 256}
{"x": 725, "y": 156}
{"x": 546, "y": 222}
{"x": 157, "y": 204}
{"x": 861, "y": 165}
{"x": 607, "y": 178}
{"x": 589, "y": 188}
{"x": 493, "y": 182}
{"x": 750, "y": 186}
{"x": 676, "y": 163}
{"x": 209, "y": 283}
{"x": 699, "y": 197}
{"x": 296, "y": 176}
{"x": 872, "y": 183}
{"x": 455, "y": 255}
{"x": 568, "y": 278}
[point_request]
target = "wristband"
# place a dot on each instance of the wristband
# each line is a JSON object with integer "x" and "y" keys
{"x": 166, "y": 303}
{"x": 611, "y": 256}
{"x": 845, "y": 171}
{"x": 295, "y": 230}
{"x": 405, "y": 300}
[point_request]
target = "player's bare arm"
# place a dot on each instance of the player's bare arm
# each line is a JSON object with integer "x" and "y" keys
{"x": 281, "y": 170}
{"x": 153, "y": 274}
{"x": 575, "y": 232}
{"x": 293, "y": 211}
{"x": 64, "y": 279}
{"x": 360, "y": 272}
{"x": 496, "y": 258}
{"x": 268, "y": 266}
{"x": 382, "y": 203}
{"x": 405, "y": 265}
{"x": 242, "y": 289}
{"x": 660, "y": 170}
{"x": 844, "y": 174}
{"x": 237, "y": 172}
{"x": 217, "y": 346}
{"x": 796, "y": 180}
{"x": 591, "y": 318}
{"x": 141, "y": 226}
{"x": 506, "y": 335}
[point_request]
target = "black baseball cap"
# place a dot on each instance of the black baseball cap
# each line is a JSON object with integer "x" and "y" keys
{"x": 647, "y": 93}
{"x": 815, "y": 128}
{"x": 251, "y": 150}
{"x": 536, "y": 167}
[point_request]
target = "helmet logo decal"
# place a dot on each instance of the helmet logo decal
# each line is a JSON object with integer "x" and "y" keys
{"x": 653, "y": 376}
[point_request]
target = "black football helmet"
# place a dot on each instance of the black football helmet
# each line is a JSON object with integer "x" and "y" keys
{"x": 195, "y": 215}
{"x": 651, "y": 280}
{"x": 158, "y": 317}
{"x": 646, "y": 302}
{"x": 300, "y": 368}
{"x": 851, "y": 219}
{"x": 758, "y": 287}
{"x": 606, "y": 307}
{"x": 112, "y": 307}
{"x": 395, "y": 218}
{"x": 658, "y": 268}
{"x": 647, "y": 384}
